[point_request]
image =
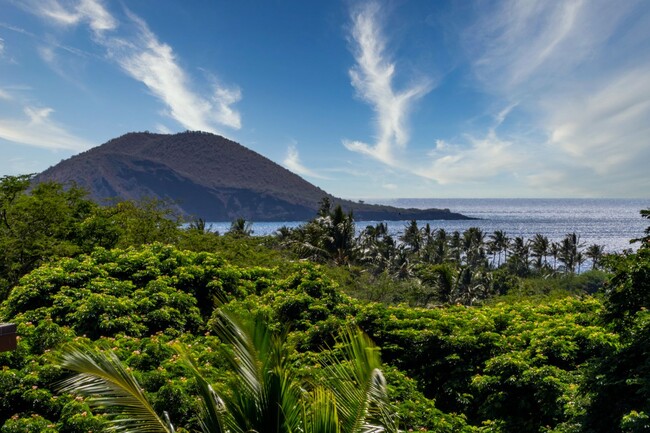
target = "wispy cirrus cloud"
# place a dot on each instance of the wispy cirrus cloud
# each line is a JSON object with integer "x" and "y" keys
{"x": 477, "y": 159}
{"x": 154, "y": 63}
{"x": 372, "y": 77}
{"x": 580, "y": 70}
{"x": 605, "y": 127}
{"x": 515, "y": 41}
{"x": 293, "y": 163}
{"x": 37, "y": 128}
{"x": 91, "y": 12}
{"x": 141, "y": 55}
{"x": 4, "y": 95}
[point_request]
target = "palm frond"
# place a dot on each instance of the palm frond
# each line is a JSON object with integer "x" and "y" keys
{"x": 212, "y": 409}
{"x": 266, "y": 395}
{"x": 321, "y": 416}
{"x": 360, "y": 387}
{"x": 101, "y": 377}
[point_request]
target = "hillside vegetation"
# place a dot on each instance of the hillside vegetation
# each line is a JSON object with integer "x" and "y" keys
{"x": 535, "y": 348}
{"x": 206, "y": 176}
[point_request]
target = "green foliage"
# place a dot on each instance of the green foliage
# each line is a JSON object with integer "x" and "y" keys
{"x": 34, "y": 424}
{"x": 634, "y": 422}
{"x": 328, "y": 237}
{"x": 533, "y": 354}
{"x": 266, "y": 396}
{"x": 629, "y": 291}
{"x": 240, "y": 228}
{"x": 37, "y": 226}
{"x": 137, "y": 291}
{"x": 416, "y": 412}
{"x": 618, "y": 383}
{"x": 484, "y": 362}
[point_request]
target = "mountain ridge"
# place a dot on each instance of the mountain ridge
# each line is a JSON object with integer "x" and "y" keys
{"x": 209, "y": 177}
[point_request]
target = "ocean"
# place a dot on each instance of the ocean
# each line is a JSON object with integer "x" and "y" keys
{"x": 608, "y": 222}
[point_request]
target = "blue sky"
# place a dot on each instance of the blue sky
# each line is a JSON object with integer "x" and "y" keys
{"x": 364, "y": 99}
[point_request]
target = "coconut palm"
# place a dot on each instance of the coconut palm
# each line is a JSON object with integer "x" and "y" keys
{"x": 554, "y": 251}
{"x": 497, "y": 245}
{"x": 436, "y": 249}
{"x": 595, "y": 253}
{"x": 375, "y": 247}
{"x": 266, "y": 397}
{"x": 569, "y": 249}
{"x": 473, "y": 245}
{"x": 519, "y": 252}
{"x": 455, "y": 246}
{"x": 412, "y": 237}
{"x": 471, "y": 285}
{"x": 240, "y": 227}
{"x": 329, "y": 236}
{"x": 340, "y": 241}
{"x": 539, "y": 250}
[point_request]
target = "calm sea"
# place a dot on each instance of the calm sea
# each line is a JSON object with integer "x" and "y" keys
{"x": 608, "y": 222}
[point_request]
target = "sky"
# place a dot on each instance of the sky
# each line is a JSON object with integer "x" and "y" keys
{"x": 365, "y": 99}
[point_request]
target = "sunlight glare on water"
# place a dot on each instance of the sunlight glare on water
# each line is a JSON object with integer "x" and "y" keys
{"x": 608, "y": 222}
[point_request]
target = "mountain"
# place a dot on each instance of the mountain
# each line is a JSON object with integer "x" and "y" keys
{"x": 209, "y": 177}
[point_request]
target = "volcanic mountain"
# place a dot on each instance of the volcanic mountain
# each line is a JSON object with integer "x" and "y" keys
{"x": 208, "y": 177}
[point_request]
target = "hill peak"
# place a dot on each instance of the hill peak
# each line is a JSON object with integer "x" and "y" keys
{"x": 208, "y": 176}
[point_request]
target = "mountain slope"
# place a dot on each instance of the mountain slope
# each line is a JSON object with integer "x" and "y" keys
{"x": 208, "y": 176}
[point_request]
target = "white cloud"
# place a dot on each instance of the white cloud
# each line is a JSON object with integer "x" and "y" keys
{"x": 163, "y": 129}
{"x": 483, "y": 159}
{"x": 223, "y": 99}
{"x": 292, "y": 162}
{"x": 91, "y": 12}
{"x": 152, "y": 62}
{"x": 97, "y": 16}
{"x": 47, "y": 54}
{"x": 38, "y": 129}
{"x": 4, "y": 95}
{"x": 579, "y": 70}
{"x": 2, "y": 47}
{"x": 518, "y": 45}
{"x": 604, "y": 127}
{"x": 372, "y": 78}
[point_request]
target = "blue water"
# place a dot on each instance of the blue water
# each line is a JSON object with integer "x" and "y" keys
{"x": 608, "y": 222}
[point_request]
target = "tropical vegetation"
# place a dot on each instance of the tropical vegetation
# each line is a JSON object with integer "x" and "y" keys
{"x": 130, "y": 320}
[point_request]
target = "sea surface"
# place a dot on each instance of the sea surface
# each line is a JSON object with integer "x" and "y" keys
{"x": 608, "y": 222}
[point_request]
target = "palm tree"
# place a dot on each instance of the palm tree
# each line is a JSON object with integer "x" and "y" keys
{"x": 568, "y": 254}
{"x": 340, "y": 243}
{"x": 499, "y": 244}
{"x": 519, "y": 251}
{"x": 240, "y": 227}
{"x": 580, "y": 259}
{"x": 595, "y": 253}
{"x": 437, "y": 248}
{"x": 328, "y": 236}
{"x": 375, "y": 247}
{"x": 428, "y": 253}
{"x": 473, "y": 244}
{"x": 412, "y": 237}
{"x": 471, "y": 285}
{"x": 266, "y": 397}
{"x": 455, "y": 246}
{"x": 554, "y": 251}
{"x": 539, "y": 247}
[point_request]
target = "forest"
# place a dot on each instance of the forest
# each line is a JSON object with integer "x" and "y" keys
{"x": 130, "y": 318}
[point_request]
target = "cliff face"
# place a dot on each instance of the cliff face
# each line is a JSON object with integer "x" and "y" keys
{"x": 208, "y": 176}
